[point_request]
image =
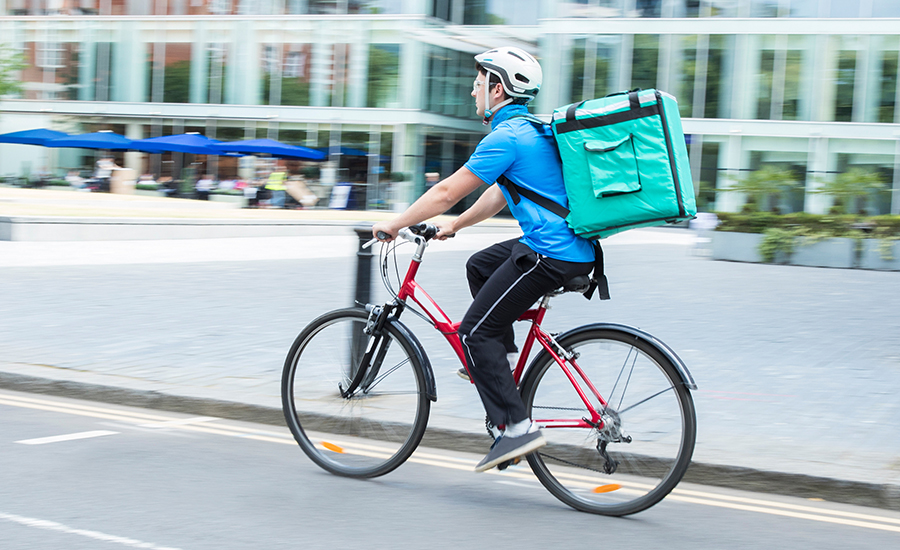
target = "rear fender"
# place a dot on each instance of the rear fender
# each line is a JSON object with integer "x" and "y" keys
{"x": 660, "y": 346}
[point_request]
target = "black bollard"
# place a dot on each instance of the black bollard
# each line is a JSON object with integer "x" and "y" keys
{"x": 363, "y": 265}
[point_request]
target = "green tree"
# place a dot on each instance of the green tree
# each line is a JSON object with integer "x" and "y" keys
{"x": 11, "y": 62}
{"x": 851, "y": 189}
{"x": 764, "y": 187}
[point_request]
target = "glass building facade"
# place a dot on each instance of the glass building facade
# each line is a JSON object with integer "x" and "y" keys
{"x": 810, "y": 86}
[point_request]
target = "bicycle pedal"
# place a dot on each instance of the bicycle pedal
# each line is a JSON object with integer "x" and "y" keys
{"x": 506, "y": 464}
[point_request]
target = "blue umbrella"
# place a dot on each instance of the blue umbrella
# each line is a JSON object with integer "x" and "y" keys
{"x": 32, "y": 137}
{"x": 181, "y": 143}
{"x": 96, "y": 140}
{"x": 271, "y": 147}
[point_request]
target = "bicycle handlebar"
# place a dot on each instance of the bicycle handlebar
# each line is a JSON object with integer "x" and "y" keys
{"x": 425, "y": 230}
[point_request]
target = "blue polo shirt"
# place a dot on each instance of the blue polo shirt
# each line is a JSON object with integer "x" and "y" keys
{"x": 526, "y": 154}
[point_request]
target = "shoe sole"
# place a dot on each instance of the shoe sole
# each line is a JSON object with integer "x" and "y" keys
{"x": 521, "y": 451}
{"x": 464, "y": 375}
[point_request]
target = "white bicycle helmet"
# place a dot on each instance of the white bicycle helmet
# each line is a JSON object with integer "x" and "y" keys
{"x": 520, "y": 75}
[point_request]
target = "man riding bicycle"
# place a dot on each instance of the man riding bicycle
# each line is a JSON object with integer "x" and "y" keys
{"x": 508, "y": 277}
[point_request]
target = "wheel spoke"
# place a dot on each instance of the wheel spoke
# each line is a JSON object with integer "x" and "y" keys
{"x": 646, "y": 399}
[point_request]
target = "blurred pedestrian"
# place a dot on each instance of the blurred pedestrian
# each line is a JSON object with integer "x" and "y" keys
{"x": 103, "y": 173}
{"x": 276, "y": 186}
{"x": 203, "y": 186}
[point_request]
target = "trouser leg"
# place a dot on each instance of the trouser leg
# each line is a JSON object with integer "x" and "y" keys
{"x": 479, "y": 269}
{"x": 513, "y": 287}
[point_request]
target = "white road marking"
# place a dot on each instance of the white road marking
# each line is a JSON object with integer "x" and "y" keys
{"x": 96, "y": 535}
{"x": 807, "y": 512}
{"x": 67, "y": 437}
{"x": 180, "y": 422}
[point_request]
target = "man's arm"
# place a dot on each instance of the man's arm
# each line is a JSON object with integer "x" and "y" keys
{"x": 487, "y": 205}
{"x": 435, "y": 201}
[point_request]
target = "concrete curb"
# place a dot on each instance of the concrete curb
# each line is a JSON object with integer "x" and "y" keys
{"x": 747, "y": 479}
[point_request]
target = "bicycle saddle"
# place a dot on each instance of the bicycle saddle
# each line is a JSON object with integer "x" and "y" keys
{"x": 576, "y": 284}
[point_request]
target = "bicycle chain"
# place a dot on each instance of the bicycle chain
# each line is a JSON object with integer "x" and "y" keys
{"x": 564, "y": 461}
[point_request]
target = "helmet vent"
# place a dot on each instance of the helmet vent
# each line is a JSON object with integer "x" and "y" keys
{"x": 522, "y": 78}
{"x": 514, "y": 54}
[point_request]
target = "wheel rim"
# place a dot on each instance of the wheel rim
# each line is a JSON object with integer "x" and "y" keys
{"x": 370, "y": 432}
{"x": 645, "y": 402}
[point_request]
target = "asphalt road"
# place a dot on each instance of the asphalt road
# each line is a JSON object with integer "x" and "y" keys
{"x": 797, "y": 368}
{"x": 83, "y": 475}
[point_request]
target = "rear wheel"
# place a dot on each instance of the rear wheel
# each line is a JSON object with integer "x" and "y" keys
{"x": 642, "y": 447}
{"x": 378, "y": 426}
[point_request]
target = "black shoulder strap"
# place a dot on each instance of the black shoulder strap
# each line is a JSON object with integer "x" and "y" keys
{"x": 598, "y": 279}
{"x": 515, "y": 190}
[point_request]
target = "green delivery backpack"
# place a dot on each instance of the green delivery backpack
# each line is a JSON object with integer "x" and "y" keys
{"x": 624, "y": 161}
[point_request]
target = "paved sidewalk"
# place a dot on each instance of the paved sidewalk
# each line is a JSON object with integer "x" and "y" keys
{"x": 798, "y": 368}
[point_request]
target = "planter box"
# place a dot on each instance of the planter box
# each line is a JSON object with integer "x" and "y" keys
{"x": 736, "y": 247}
{"x": 871, "y": 256}
{"x": 238, "y": 200}
{"x": 148, "y": 193}
{"x": 838, "y": 252}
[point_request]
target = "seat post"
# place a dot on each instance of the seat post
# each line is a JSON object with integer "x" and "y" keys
{"x": 545, "y": 301}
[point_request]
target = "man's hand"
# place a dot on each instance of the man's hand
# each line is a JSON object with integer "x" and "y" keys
{"x": 386, "y": 228}
{"x": 445, "y": 230}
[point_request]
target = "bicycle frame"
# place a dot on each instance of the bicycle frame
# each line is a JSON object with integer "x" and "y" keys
{"x": 411, "y": 290}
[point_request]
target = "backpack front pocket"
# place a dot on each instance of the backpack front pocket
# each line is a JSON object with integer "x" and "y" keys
{"x": 613, "y": 166}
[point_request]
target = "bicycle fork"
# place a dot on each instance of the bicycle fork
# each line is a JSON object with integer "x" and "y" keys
{"x": 369, "y": 348}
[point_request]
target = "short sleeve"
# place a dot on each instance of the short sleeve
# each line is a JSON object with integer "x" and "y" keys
{"x": 493, "y": 155}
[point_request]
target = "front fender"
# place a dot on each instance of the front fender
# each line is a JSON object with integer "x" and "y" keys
{"x": 419, "y": 351}
{"x": 661, "y": 346}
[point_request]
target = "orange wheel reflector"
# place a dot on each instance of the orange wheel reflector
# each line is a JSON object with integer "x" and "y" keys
{"x": 607, "y": 488}
{"x": 332, "y": 447}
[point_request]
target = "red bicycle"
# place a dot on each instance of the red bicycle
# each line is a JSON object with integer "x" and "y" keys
{"x": 613, "y": 401}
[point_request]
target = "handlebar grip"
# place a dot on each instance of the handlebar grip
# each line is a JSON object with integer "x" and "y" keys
{"x": 382, "y": 235}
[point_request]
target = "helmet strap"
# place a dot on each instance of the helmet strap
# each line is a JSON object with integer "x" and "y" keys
{"x": 488, "y": 109}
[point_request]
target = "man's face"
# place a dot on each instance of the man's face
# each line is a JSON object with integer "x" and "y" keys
{"x": 478, "y": 92}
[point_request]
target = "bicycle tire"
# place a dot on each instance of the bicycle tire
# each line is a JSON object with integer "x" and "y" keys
{"x": 376, "y": 429}
{"x": 647, "y": 401}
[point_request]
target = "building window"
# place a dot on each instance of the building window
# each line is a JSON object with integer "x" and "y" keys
{"x": 644, "y": 61}
{"x": 219, "y": 7}
{"x": 50, "y": 55}
{"x": 592, "y": 67}
{"x": 295, "y": 64}
{"x": 888, "y": 90}
{"x": 792, "y": 105}
{"x": 383, "y": 75}
{"x": 499, "y": 12}
{"x": 845, "y": 78}
{"x": 845, "y": 9}
{"x": 885, "y": 8}
{"x": 648, "y": 8}
{"x": 765, "y": 78}
{"x": 764, "y": 8}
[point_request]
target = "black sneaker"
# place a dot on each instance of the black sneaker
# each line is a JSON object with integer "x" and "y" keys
{"x": 507, "y": 448}
{"x": 464, "y": 374}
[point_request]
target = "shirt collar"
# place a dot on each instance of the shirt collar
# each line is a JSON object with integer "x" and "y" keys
{"x": 506, "y": 112}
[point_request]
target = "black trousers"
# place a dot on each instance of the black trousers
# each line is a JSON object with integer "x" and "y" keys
{"x": 505, "y": 279}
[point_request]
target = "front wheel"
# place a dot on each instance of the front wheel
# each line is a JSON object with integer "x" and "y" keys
{"x": 642, "y": 445}
{"x": 373, "y": 429}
